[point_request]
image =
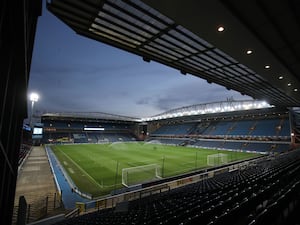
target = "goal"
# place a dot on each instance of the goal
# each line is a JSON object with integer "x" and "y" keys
{"x": 140, "y": 174}
{"x": 217, "y": 159}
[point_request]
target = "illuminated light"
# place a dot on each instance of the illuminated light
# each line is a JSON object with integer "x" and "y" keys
{"x": 289, "y": 84}
{"x": 221, "y": 28}
{"x": 93, "y": 128}
{"x": 280, "y": 77}
{"x": 249, "y": 52}
{"x": 34, "y": 97}
{"x": 267, "y": 66}
{"x": 295, "y": 89}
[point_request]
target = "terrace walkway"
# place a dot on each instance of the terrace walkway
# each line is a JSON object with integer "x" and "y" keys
{"x": 35, "y": 177}
{"x": 35, "y": 181}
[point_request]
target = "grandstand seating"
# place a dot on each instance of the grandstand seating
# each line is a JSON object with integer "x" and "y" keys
{"x": 113, "y": 137}
{"x": 237, "y": 145}
{"x": 208, "y": 143}
{"x": 284, "y": 128}
{"x": 201, "y": 128}
{"x": 175, "y": 129}
{"x": 278, "y": 147}
{"x": 87, "y": 137}
{"x": 242, "y": 128}
{"x": 262, "y": 193}
{"x": 80, "y": 138}
{"x": 65, "y": 130}
{"x": 56, "y": 137}
{"x": 169, "y": 141}
{"x": 247, "y": 135}
{"x": 266, "y": 127}
{"x": 56, "y": 131}
{"x": 221, "y": 128}
{"x": 256, "y": 146}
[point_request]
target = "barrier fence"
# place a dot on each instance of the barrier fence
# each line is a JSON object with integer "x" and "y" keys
{"x": 38, "y": 208}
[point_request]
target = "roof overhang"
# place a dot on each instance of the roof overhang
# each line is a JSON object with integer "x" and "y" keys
{"x": 90, "y": 116}
{"x": 183, "y": 35}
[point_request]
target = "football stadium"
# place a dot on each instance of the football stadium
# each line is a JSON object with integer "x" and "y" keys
{"x": 224, "y": 162}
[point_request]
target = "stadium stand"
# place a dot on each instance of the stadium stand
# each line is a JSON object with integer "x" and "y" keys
{"x": 208, "y": 143}
{"x": 284, "y": 128}
{"x": 256, "y": 146}
{"x": 59, "y": 129}
{"x": 175, "y": 129}
{"x": 242, "y": 128}
{"x": 259, "y": 135}
{"x": 266, "y": 128}
{"x": 221, "y": 128}
{"x": 233, "y": 145}
{"x": 168, "y": 141}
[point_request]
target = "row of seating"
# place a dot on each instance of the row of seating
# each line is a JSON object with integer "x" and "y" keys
{"x": 258, "y": 194}
{"x": 168, "y": 141}
{"x": 81, "y": 125}
{"x": 264, "y": 127}
{"x": 175, "y": 129}
{"x": 87, "y": 137}
{"x": 225, "y": 144}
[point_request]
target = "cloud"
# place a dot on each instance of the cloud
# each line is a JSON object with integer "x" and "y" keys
{"x": 144, "y": 101}
{"x": 193, "y": 93}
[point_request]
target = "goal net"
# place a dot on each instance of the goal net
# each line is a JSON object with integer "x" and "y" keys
{"x": 140, "y": 174}
{"x": 217, "y": 159}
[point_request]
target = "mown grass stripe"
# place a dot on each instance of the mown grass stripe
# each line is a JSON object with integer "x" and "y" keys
{"x": 79, "y": 167}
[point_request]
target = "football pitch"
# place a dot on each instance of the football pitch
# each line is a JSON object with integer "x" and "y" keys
{"x": 97, "y": 168}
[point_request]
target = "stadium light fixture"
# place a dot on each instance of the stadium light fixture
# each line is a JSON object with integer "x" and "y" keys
{"x": 34, "y": 97}
{"x": 249, "y": 52}
{"x": 221, "y": 29}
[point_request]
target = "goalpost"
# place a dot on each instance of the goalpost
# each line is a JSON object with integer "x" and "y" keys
{"x": 140, "y": 174}
{"x": 217, "y": 159}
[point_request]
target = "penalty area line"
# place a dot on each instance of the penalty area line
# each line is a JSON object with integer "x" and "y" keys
{"x": 79, "y": 167}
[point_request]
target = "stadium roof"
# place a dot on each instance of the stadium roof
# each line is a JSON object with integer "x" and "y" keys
{"x": 91, "y": 115}
{"x": 213, "y": 109}
{"x": 256, "y": 53}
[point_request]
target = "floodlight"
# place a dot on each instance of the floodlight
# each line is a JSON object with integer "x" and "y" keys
{"x": 34, "y": 97}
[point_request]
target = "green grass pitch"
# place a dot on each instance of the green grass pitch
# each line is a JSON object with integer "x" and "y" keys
{"x": 93, "y": 167}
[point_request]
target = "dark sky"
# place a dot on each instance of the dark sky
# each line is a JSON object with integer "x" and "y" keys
{"x": 72, "y": 73}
